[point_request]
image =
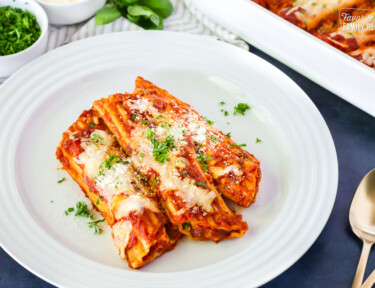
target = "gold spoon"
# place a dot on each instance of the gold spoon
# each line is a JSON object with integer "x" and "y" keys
{"x": 362, "y": 220}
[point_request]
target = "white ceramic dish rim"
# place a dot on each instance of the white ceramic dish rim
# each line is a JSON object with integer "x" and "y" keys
{"x": 337, "y": 72}
{"x": 44, "y": 28}
{"x": 190, "y": 40}
{"x": 63, "y": 4}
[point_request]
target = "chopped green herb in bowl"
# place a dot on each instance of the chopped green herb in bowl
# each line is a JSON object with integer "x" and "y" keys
{"x": 19, "y": 30}
{"x": 23, "y": 34}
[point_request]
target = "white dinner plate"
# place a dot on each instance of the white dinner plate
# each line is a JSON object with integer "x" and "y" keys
{"x": 322, "y": 63}
{"x": 39, "y": 102}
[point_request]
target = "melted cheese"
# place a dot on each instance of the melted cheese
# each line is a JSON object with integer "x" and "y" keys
{"x": 121, "y": 235}
{"x": 317, "y": 10}
{"x": 218, "y": 171}
{"x": 134, "y": 203}
{"x": 115, "y": 180}
{"x": 94, "y": 152}
{"x": 143, "y": 105}
{"x": 169, "y": 178}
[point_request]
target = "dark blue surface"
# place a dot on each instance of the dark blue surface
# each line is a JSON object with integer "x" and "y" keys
{"x": 332, "y": 260}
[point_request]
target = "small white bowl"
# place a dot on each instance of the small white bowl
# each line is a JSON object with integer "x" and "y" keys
{"x": 71, "y": 13}
{"x": 11, "y": 63}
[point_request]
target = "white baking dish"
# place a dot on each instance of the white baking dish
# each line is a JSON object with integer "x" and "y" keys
{"x": 325, "y": 65}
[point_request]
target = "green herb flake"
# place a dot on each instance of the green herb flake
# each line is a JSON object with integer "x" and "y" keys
{"x": 241, "y": 108}
{"x": 82, "y": 210}
{"x": 67, "y": 211}
{"x": 238, "y": 145}
{"x": 141, "y": 155}
{"x": 144, "y": 122}
{"x": 258, "y": 140}
{"x": 185, "y": 225}
{"x": 202, "y": 184}
{"x": 161, "y": 149}
{"x": 19, "y": 30}
{"x": 213, "y": 137}
{"x": 155, "y": 181}
{"x": 95, "y": 225}
{"x": 97, "y": 201}
{"x": 222, "y": 103}
{"x": 61, "y": 180}
{"x": 228, "y": 134}
{"x": 209, "y": 122}
{"x": 96, "y": 137}
{"x": 133, "y": 116}
{"x": 203, "y": 159}
{"x": 92, "y": 124}
{"x": 150, "y": 133}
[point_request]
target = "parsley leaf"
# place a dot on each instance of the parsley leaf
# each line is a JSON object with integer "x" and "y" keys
{"x": 238, "y": 145}
{"x": 241, "y": 108}
{"x": 222, "y": 103}
{"x": 83, "y": 210}
{"x": 133, "y": 116}
{"x": 19, "y": 30}
{"x": 228, "y": 134}
{"x": 202, "y": 184}
{"x": 61, "y": 180}
{"x": 258, "y": 140}
{"x": 96, "y": 137}
{"x": 161, "y": 149}
{"x": 209, "y": 122}
{"x": 203, "y": 159}
{"x": 185, "y": 225}
{"x": 92, "y": 124}
{"x": 67, "y": 211}
{"x": 94, "y": 224}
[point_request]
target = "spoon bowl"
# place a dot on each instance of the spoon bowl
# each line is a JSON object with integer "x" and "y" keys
{"x": 362, "y": 221}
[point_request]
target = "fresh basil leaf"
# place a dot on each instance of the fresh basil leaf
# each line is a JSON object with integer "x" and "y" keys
{"x": 163, "y": 8}
{"x": 133, "y": 19}
{"x": 144, "y": 17}
{"x": 138, "y": 10}
{"x": 107, "y": 15}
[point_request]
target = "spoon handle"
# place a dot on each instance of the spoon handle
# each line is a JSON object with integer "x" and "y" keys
{"x": 362, "y": 265}
{"x": 369, "y": 281}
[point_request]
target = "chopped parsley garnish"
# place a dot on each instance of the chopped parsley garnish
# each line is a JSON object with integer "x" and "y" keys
{"x": 258, "y": 140}
{"x": 97, "y": 201}
{"x": 222, "y": 103}
{"x": 185, "y": 173}
{"x": 203, "y": 159}
{"x": 228, "y": 134}
{"x": 202, "y": 184}
{"x": 183, "y": 131}
{"x": 140, "y": 194}
{"x": 83, "y": 210}
{"x": 160, "y": 116}
{"x": 213, "y": 137}
{"x": 112, "y": 160}
{"x": 96, "y": 137}
{"x": 150, "y": 133}
{"x": 238, "y": 145}
{"x": 141, "y": 155}
{"x": 155, "y": 181}
{"x": 19, "y": 29}
{"x": 61, "y": 180}
{"x": 161, "y": 149}
{"x": 94, "y": 224}
{"x": 226, "y": 113}
{"x": 241, "y": 108}
{"x": 67, "y": 211}
{"x": 209, "y": 122}
{"x": 185, "y": 225}
{"x": 225, "y": 187}
{"x": 92, "y": 124}
{"x": 144, "y": 122}
{"x": 133, "y": 116}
